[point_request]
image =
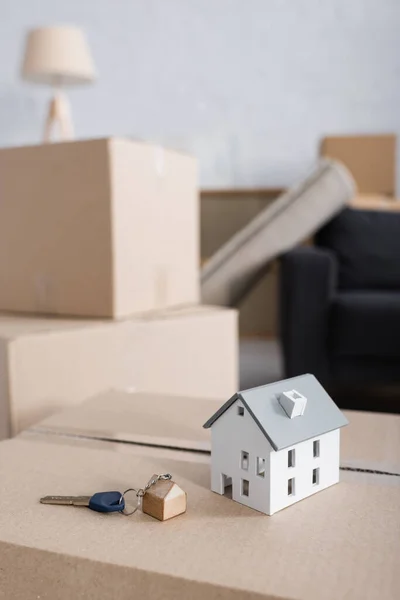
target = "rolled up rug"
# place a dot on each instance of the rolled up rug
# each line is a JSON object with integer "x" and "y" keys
{"x": 293, "y": 217}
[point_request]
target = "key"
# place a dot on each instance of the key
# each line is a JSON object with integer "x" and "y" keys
{"x": 101, "y": 502}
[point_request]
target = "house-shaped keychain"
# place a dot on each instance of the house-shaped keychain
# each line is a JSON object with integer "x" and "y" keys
{"x": 276, "y": 444}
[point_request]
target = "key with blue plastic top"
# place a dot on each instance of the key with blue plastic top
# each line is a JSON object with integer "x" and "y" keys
{"x": 104, "y": 502}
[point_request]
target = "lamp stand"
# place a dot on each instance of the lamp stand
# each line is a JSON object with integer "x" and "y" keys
{"x": 59, "y": 113}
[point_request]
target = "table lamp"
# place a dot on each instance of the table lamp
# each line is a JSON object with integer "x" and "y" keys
{"x": 59, "y": 57}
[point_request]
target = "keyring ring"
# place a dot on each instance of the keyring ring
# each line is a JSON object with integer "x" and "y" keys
{"x": 124, "y": 511}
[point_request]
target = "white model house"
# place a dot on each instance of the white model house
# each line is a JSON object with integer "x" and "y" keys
{"x": 276, "y": 444}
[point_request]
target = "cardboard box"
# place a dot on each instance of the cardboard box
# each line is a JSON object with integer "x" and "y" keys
{"x": 341, "y": 543}
{"x": 371, "y": 160}
{"x": 163, "y": 421}
{"x": 98, "y": 228}
{"x": 371, "y": 441}
{"x": 156, "y": 420}
{"x": 48, "y": 364}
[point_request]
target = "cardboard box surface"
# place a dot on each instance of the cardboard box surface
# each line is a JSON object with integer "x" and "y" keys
{"x": 340, "y": 543}
{"x": 158, "y": 452}
{"x": 48, "y": 364}
{"x": 372, "y": 441}
{"x": 98, "y": 228}
{"x": 371, "y": 160}
{"x": 177, "y": 422}
{"x": 141, "y": 418}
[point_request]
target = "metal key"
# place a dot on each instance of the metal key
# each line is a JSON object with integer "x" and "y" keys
{"x": 101, "y": 502}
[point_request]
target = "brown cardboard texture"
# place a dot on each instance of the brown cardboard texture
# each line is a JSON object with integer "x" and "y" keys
{"x": 371, "y": 160}
{"x": 127, "y": 449}
{"x": 140, "y": 418}
{"x": 98, "y": 228}
{"x": 48, "y": 364}
{"x": 166, "y": 421}
{"x": 340, "y": 543}
{"x": 371, "y": 441}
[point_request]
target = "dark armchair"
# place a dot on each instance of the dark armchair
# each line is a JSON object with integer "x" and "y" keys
{"x": 340, "y": 302}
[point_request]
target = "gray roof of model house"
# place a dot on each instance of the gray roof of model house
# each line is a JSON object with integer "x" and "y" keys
{"x": 320, "y": 416}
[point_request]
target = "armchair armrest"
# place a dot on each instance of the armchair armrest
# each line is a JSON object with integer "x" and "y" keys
{"x": 308, "y": 282}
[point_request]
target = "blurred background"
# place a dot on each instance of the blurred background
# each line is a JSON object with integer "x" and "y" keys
{"x": 258, "y": 92}
{"x": 249, "y": 88}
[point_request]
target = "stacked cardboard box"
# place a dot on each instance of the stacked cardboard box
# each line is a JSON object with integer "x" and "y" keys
{"x": 102, "y": 228}
{"x": 99, "y": 256}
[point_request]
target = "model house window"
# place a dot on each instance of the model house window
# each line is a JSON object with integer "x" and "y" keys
{"x": 291, "y": 458}
{"x": 245, "y": 487}
{"x": 315, "y": 476}
{"x": 240, "y": 411}
{"x": 260, "y": 466}
{"x": 244, "y": 460}
{"x": 290, "y": 487}
{"x": 316, "y": 449}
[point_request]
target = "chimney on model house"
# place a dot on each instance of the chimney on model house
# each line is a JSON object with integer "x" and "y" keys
{"x": 293, "y": 403}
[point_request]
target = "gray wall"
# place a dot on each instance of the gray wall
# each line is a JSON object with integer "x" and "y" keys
{"x": 249, "y": 86}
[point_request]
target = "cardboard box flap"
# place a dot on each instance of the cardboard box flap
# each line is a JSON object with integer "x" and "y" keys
{"x": 140, "y": 418}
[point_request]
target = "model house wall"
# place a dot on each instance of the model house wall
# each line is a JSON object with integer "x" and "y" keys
{"x": 265, "y": 479}
{"x": 231, "y": 435}
{"x": 303, "y": 461}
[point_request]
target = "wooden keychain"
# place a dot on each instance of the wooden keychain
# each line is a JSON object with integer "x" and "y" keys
{"x": 160, "y": 498}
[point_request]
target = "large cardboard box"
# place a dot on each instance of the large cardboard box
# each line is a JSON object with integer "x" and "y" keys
{"x": 371, "y": 160}
{"x": 48, "y": 364}
{"x": 340, "y": 543}
{"x": 99, "y": 228}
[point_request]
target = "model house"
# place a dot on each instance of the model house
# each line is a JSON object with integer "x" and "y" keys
{"x": 276, "y": 444}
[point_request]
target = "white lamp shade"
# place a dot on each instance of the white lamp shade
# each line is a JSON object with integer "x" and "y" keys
{"x": 57, "y": 56}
